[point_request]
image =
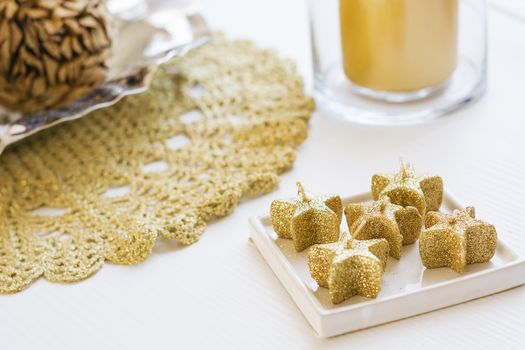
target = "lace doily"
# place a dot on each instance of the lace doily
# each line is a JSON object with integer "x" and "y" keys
{"x": 216, "y": 125}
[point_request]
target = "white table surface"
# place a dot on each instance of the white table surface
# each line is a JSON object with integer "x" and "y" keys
{"x": 219, "y": 293}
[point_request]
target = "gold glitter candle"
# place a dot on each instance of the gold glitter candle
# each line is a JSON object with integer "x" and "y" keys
{"x": 308, "y": 219}
{"x": 456, "y": 240}
{"x": 349, "y": 267}
{"x": 405, "y": 188}
{"x": 382, "y": 219}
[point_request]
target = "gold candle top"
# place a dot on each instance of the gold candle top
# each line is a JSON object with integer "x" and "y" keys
{"x": 399, "y": 45}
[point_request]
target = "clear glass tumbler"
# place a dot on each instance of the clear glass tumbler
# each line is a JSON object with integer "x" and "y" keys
{"x": 398, "y": 61}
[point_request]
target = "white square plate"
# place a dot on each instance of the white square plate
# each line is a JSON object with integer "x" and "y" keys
{"x": 408, "y": 288}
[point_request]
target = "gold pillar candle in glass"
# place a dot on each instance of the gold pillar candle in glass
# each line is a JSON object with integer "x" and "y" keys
{"x": 399, "y": 45}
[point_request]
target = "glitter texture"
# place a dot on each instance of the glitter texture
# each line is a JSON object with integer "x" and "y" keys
{"x": 308, "y": 219}
{"x": 253, "y": 117}
{"x": 349, "y": 267}
{"x": 382, "y": 219}
{"x": 407, "y": 189}
{"x": 456, "y": 240}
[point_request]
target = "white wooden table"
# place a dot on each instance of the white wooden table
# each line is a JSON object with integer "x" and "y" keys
{"x": 219, "y": 293}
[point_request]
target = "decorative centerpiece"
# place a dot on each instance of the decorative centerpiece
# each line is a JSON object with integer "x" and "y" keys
{"x": 323, "y": 279}
{"x": 51, "y": 51}
{"x": 354, "y": 264}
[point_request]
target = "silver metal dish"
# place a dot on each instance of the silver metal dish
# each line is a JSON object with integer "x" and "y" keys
{"x": 144, "y": 40}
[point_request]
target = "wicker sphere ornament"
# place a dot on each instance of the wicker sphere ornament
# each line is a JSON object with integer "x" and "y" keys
{"x": 51, "y": 51}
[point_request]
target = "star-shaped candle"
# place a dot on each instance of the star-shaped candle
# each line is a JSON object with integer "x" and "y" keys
{"x": 456, "y": 240}
{"x": 382, "y": 219}
{"x": 425, "y": 192}
{"x": 349, "y": 267}
{"x": 308, "y": 219}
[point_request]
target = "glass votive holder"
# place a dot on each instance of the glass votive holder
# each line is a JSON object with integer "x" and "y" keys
{"x": 398, "y": 61}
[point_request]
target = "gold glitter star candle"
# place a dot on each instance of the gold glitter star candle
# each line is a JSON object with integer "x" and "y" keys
{"x": 382, "y": 219}
{"x": 349, "y": 267}
{"x": 456, "y": 240}
{"x": 308, "y": 219}
{"x": 425, "y": 192}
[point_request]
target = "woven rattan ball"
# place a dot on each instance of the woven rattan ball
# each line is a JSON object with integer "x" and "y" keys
{"x": 51, "y": 51}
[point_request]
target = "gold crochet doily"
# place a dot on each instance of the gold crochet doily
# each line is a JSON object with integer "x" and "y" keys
{"x": 216, "y": 125}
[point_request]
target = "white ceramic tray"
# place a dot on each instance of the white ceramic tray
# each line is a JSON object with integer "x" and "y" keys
{"x": 408, "y": 288}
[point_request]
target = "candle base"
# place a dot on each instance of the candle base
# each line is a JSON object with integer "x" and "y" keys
{"x": 335, "y": 93}
{"x": 399, "y": 96}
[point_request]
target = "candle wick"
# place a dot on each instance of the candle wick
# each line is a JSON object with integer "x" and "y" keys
{"x": 302, "y": 192}
{"x": 471, "y": 212}
{"x": 406, "y": 169}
